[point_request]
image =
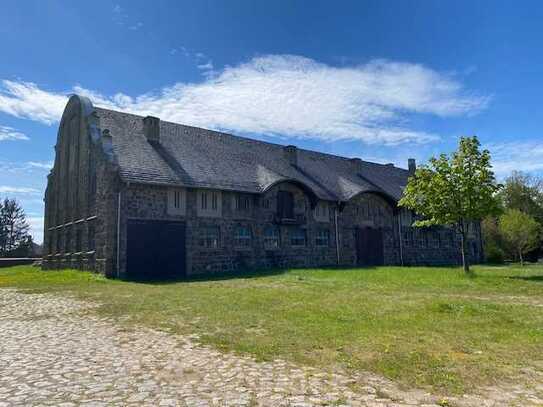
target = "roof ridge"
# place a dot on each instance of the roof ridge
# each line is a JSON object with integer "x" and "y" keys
{"x": 249, "y": 139}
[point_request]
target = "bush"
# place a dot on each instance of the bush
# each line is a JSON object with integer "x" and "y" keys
{"x": 494, "y": 254}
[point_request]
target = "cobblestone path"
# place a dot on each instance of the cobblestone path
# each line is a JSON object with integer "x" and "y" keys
{"x": 53, "y": 354}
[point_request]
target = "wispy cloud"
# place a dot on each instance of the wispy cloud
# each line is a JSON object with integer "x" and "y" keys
{"x": 4, "y": 189}
{"x": 21, "y": 167}
{"x": 9, "y": 133}
{"x": 525, "y": 155}
{"x": 47, "y": 165}
{"x": 287, "y": 96}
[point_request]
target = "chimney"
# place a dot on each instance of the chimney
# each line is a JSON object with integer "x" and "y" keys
{"x": 411, "y": 165}
{"x": 151, "y": 128}
{"x": 291, "y": 154}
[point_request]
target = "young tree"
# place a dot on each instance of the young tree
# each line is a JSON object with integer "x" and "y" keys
{"x": 520, "y": 230}
{"x": 456, "y": 190}
{"x": 13, "y": 226}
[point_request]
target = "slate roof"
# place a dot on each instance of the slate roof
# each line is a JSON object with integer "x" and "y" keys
{"x": 194, "y": 157}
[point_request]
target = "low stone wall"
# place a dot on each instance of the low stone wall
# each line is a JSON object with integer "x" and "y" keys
{"x": 9, "y": 262}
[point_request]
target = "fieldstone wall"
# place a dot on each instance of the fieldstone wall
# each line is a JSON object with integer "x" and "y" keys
{"x": 87, "y": 208}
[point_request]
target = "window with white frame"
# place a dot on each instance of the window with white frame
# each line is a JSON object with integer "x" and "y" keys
{"x": 321, "y": 212}
{"x": 271, "y": 237}
{"x": 209, "y": 237}
{"x": 209, "y": 203}
{"x": 242, "y": 236}
{"x": 322, "y": 238}
{"x": 176, "y": 201}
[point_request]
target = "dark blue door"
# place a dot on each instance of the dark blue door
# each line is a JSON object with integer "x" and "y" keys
{"x": 155, "y": 249}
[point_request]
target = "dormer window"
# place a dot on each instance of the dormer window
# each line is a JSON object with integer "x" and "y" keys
{"x": 209, "y": 203}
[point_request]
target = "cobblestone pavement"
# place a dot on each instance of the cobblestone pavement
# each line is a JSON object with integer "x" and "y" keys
{"x": 51, "y": 353}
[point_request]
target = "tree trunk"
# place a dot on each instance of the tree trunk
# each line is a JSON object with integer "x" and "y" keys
{"x": 465, "y": 259}
{"x": 520, "y": 257}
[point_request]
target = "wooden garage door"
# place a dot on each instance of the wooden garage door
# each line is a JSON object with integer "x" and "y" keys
{"x": 155, "y": 249}
{"x": 369, "y": 246}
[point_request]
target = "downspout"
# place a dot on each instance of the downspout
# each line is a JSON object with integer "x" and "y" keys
{"x": 400, "y": 235}
{"x": 337, "y": 234}
{"x": 118, "y": 234}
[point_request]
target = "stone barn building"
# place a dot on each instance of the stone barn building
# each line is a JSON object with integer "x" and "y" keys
{"x": 135, "y": 197}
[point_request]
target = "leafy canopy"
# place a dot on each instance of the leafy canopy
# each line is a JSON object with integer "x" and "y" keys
{"x": 453, "y": 190}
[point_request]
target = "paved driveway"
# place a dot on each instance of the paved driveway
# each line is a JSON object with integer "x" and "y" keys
{"x": 54, "y": 353}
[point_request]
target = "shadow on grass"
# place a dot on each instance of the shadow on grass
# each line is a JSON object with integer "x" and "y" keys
{"x": 259, "y": 273}
{"x": 538, "y": 279}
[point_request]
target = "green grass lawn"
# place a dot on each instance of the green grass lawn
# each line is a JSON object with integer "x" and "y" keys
{"x": 420, "y": 326}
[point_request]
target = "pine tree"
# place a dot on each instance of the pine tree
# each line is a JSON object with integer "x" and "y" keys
{"x": 14, "y": 229}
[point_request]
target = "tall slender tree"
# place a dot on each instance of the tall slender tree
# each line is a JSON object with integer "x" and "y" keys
{"x": 457, "y": 190}
{"x": 14, "y": 229}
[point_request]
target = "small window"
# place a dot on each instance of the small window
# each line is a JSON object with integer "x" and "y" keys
{"x": 78, "y": 239}
{"x": 92, "y": 241}
{"x": 209, "y": 237}
{"x": 209, "y": 203}
{"x": 321, "y": 212}
{"x": 58, "y": 234}
{"x": 242, "y": 236}
{"x": 266, "y": 204}
{"x": 271, "y": 236}
{"x": 67, "y": 241}
{"x": 242, "y": 202}
{"x": 298, "y": 237}
{"x": 176, "y": 201}
{"x": 323, "y": 237}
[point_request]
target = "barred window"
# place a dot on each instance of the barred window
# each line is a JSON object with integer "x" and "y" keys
{"x": 242, "y": 236}
{"x": 271, "y": 236}
{"x": 323, "y": 237}
{"x": 209, "y": 237}
{"x": 298, "y": 237}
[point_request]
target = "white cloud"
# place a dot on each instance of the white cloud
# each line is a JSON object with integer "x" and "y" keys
{"x": 525, "y": 155}
{"x": 284, "y": 95}
{"x": 9, "y": 133}
{"x": 26, "y": 100}
{"x": 47, "y": 165}
{"x": 4, "y": 189}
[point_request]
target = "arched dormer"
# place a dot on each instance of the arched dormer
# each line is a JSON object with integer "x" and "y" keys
{"x": 307, "y": 190}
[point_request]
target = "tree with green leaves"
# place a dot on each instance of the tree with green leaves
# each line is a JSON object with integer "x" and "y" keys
{"x": 457, "y": 191}
{"x": 520, "y": 230}
{"x": 14, "y": 229}
{"x": 525, "y": 193}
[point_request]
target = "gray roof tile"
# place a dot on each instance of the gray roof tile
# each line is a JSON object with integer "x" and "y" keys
{"x": 195, "y": 157}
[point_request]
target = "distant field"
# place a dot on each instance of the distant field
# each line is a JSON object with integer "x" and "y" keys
{"x": 420, "y": 326}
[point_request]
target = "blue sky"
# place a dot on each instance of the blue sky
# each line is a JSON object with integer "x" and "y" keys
{"x": 380, "y": 80}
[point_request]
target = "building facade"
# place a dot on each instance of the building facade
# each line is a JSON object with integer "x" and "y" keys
{"x": 135, "y": 197}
